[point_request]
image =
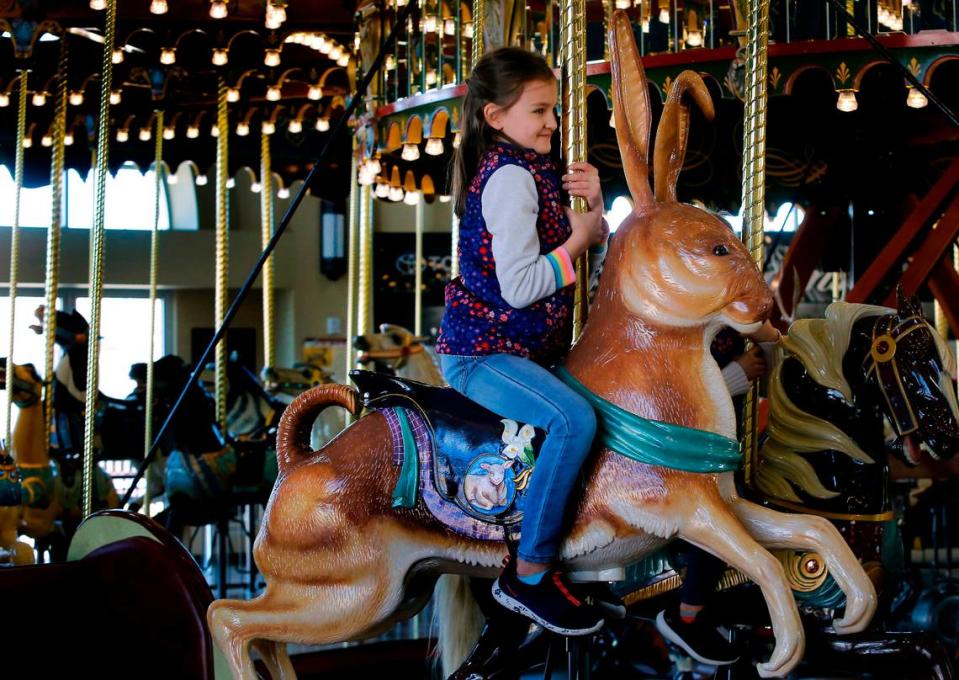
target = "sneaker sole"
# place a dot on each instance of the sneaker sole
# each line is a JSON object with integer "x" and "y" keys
{"x": 677, "y": 640}
{"x": 516, "y": 606}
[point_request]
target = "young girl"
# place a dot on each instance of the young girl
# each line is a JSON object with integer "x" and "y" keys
{"x": 508, "y": 314}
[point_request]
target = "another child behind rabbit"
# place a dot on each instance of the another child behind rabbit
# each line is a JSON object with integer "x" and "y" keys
{"x": 508, "y": 315}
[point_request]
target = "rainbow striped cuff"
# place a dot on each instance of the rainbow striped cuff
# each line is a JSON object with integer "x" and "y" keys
{"x": 563, "y": 268}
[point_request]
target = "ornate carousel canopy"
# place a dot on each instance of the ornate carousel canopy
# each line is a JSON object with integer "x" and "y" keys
{"x": 287, "y": 67}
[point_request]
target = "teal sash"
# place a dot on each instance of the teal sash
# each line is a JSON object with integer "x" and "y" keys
{"x": 657, "y": 443}
{"x": 407, "y": 486}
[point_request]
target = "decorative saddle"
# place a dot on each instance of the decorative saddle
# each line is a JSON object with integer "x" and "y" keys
{"x": 470, "y": 467}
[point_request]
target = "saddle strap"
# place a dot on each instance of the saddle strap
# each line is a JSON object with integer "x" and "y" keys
{"x": 404, "y": 493}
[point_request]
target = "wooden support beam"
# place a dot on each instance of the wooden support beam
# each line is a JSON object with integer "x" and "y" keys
{"x": 944, "y": 284}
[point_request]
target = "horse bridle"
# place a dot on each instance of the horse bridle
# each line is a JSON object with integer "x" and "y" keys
{"x": 886, "y": 336}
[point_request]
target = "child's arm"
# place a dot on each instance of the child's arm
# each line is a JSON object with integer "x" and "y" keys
{"x": 511, "y": 208}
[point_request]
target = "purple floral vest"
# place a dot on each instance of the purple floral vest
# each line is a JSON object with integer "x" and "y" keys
{"x": 478, "y": 321}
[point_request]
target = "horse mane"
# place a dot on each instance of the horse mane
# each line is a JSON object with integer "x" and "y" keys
{"x": 820, "y": 345}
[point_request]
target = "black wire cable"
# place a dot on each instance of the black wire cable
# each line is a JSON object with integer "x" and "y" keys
{"x": 887, "y": 55}
{"x": 284, "y": 223}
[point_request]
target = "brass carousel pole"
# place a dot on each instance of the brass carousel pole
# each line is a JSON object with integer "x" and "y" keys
{"x": 418, "y": 271}
{"x": 479, "y": 32}
{"x": 222, "y": 246}
{"x": 266, "y": 233}
{"x": 96, "y": 255}
{"x": 573, "y": 60}
{"x": 351, "y": 253}
{"x": 15, "y": 248}
{"x": 754, "y": 187}
{"x": 52, "y": 283}
{"x": 154, "y": 265}
{"x": 364, "y": 305}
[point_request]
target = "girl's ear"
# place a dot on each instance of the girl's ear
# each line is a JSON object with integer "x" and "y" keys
{"x": 630, "y": 108}
{"x": 673, "y": 132}
{"x": 491, "y": 114}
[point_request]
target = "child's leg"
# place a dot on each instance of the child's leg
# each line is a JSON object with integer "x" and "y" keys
{"x": 522, "y": 390}
{"x": 702, "y": 572}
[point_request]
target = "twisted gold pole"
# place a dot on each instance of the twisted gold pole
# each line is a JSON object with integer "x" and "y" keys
{"x": 573, "y": 40}
{"x": 15, "y": 248}
{"x": 52, "y": 283}
{"x": 479, "y": 32}
{"x": 418, "y": 271}
{"x": 96, "y": 255}
{"x": 222, "y": 247}
{"x": 154, "y": 265}
{"x": 754, "y": 188}
{"x": 364, "y": 313}
{"x": 351, "y": 257}
{"x": 266, "y": 233}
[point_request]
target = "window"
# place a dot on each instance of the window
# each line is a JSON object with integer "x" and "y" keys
{"x": 129, "y": 201}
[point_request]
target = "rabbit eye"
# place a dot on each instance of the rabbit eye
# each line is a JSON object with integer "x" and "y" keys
{"x": 720, "y": 250}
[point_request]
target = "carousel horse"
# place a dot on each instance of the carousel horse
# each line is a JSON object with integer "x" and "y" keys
{"x": 356, "y": 533}
{"x": 396, "y": 350}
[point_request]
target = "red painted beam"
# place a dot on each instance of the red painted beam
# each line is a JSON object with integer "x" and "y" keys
{"x": 944, "y": 284}
{"x": 896, "y": 250}
{"x": 936, "y": 245}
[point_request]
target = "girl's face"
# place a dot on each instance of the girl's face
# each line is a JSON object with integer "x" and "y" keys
{"x": 531, "y": 120}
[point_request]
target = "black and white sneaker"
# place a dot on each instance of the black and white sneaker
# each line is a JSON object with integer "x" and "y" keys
{"x": 698, "y": 639}
{"x": 550, "y": 603}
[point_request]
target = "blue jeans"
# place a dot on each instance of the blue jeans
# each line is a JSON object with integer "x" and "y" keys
{"x": 522, "y": 390}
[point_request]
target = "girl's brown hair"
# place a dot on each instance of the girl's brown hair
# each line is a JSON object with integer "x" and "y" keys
{"x": 497, "y": 78}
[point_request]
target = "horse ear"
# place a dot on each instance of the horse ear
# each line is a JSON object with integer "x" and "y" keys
{"x": 630, "y": 108}
{"x": 673, "y": 132}
{"x": 907, "y": 305}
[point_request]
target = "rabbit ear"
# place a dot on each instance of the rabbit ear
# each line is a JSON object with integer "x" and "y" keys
{"x": 630, "y": 108}
{"x": 673, "y": 131}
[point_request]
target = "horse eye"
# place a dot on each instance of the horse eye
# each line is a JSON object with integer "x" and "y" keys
{"x": 720, "y": 250}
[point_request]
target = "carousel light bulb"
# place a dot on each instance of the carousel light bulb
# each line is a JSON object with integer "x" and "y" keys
{"x": 382, "y": 190}
{"x": 169, "y": 132}
{"x": 273, "y": 93}
{"x": 98, "y": 5}
{"x": 468, "y": 29}
{"x": 323, "y": 45}
{"x": 390, "y": 62}
{"x": 201, "y": 180}
{"x": 145, "y": 134}
{"x": 193, "y": 131}
{"x": 168, "y": 56}
{"x": 255, "y": 187}
{"x": 271, "y": 57}
{"x": 123, "y": 135}
{"x": 76, "y": 98}
{"x": 39, "y": 98}
{"x": 115, "y": 97}
{"x": 242, "y": 128}
{"x": 27, "y": 142}
{"x": 344, "y": 60}
{"x": 449, "y": 26}
{"x": 411, "y": 198}
{"x": 295, "y": 127}
{"x": 645, "y": 25}
{"x": 336, "y": 52}
{"x": 694, "y": 38}
{"x": 218, "y": 9}
{"x": 916, "y": 99}
{"x": 117, "y": 57}
{"x": 847, "y": 101}
{"x": 283, "y": 192}
{"x": 232, "y": 94}
{"x": 214, "y": 131}
{"x": 624, "y": 4}
{"x": 158, "y": 7}
{"x": 429, "y": 24}
{"x": 434, "y": 146}
{"x": 664, "y": 16}
{"x": 375, "y": 166}
{"x": 396, "y": 194}
{"x": 46, "y": 140}
{"x": 230, "y": 183}
{"x": 315, "y": 93}
{"x": 445, "y": 198}
{"x": 365, "y": 178}
{"x": 410, "y": 152}
{"x": 220, "y": 57}
{"x": 272, "y": 22}
{"x": 68, "y": 138}
{"x": 457, "y": 138}
{"x": 268, "y": 127}
{"x": 4, "y": 99}
{"x": 322, "y": 124}
{"x": 430, "y": 76}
